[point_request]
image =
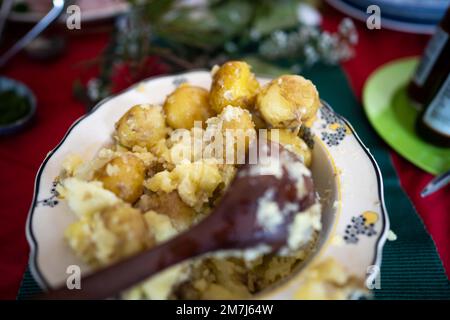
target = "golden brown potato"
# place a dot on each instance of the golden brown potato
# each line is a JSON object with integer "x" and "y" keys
{"x": 235, "y": 128}
{"x": 238, "y": 121}
{"x": 169, "y": 204}
{"x": 258, "y": 120}
{"x": 186, "y": 105}
{"x": 288, "y": 101}
{"x": 292, "y": 142}
{"x": 120, "y": 231}
{"x": 143, "y": 125}
{"x": 128, "y": 225}
{"x": 235, "y": 118}
{"x": 233, "y": 84}
{"x": 123, "y": 175}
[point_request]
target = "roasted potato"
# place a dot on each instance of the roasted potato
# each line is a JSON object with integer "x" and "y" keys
{"x": 143, "y": 125}
{"x": 186, "y": 105}
{"x": 240, "y": 123}
{"x": 292, "y": 142}
{"x": 258, "y": 120}
{"x": 288, "y": 101}
{"x": 233, "y": 84}
{"x": 128, "y": 225}
{"x": 124, "y": 175}
{"x": 170, "y": 204}
{"x": 235, "y": 118}
{"x": 235, "y": 128}
{"x": 120, "y": 231}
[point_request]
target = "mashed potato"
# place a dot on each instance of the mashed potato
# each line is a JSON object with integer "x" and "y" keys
{"x": 195, "y": 182}
{"x": 161, "y": 175}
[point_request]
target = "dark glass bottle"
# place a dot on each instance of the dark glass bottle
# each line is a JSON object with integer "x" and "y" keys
{"x": 433, "y": 67}
{"x": 433, "y": 123}
{"x": 429, "y": 88}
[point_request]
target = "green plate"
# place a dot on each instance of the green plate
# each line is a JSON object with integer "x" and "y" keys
{"x": 391, "y": 114}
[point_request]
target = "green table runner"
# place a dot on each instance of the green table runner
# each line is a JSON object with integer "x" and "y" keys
{"x": 411, "y": 268}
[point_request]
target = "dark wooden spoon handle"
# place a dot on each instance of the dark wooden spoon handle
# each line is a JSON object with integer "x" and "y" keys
{"x": 110, "y": 281}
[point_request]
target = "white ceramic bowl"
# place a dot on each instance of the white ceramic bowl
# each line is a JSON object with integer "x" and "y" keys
{"x": 346, "y": 176}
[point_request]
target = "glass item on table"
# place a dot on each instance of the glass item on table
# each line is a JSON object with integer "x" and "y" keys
{"x": 434, "y": 66}
{"x": 433, "y": 124}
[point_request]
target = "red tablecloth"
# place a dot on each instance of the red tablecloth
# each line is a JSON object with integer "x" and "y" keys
{"x": 21, "y": 155}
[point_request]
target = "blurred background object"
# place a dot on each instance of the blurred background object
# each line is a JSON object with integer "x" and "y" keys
{"x": 393, "y": 116}
{"x": 408, "y": 103}
{"x": 407, "y": 10}
{"x": 46, "y": 48}
{"x": 414, "y": 16}
{"x": 430, "y": 87}
{"x": 55, "y": 11}
{"x": 5, "y": 10}
{"x": 31, "y": 11}
{"x": 199, "y": 34}
{"x": 436, "y": 184}
{"x": 17, "y": 106}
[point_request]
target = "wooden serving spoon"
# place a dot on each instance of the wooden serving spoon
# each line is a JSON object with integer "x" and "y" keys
{"x": 234, "y": 224}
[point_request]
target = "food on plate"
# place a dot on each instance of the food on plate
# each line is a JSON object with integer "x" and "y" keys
{"x": 233, "y": 84}
{"x": 291, "y": 141}
{"x": 169, "y": 205}
{"x": 161, "y": 175}
{"x": 186, "y": 105}
{"x": 288, "y": 101}
{"x": 143, "y": 126}
{"x": 123, "y": 175}
{"x": 195, "y": 182}
{"x": 327, "y": 280}
{"x": 236, "y": 129}
{"x": 108, "y": 229}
